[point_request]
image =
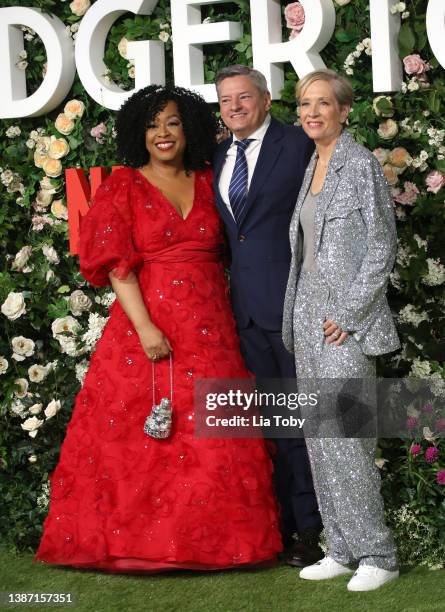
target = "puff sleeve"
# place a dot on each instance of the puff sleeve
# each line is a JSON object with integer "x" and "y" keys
{"x": 106, "y": 241}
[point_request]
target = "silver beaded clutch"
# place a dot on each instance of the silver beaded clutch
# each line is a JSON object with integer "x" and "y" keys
{"x": 158, "y": 424}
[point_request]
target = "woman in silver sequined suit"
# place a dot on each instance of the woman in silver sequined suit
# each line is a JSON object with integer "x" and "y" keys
{"x": 337, "y": 319}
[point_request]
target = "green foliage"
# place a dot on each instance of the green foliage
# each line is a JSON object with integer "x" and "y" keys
{"x": 33, "y": 222}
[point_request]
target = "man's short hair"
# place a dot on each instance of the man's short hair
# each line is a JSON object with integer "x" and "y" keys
{"x": 258, "y": 79}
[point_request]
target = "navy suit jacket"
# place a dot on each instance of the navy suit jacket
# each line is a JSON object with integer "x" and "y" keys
{"x": 260, "y": 245}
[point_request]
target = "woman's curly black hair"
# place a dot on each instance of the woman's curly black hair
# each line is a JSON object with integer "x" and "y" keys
{"x": 139, "y": 111}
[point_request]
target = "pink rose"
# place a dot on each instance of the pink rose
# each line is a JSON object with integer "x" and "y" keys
{"x": 98, "y": 131}
{"x": 382, "y": 155}
{"x": 414, "y": 64}
{"x": 435, "y": 181}
{"x": 294, "y": 14}
{"x": 407, "y": 197}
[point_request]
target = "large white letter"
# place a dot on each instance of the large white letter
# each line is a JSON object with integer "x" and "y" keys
{"x": 386, "y": 66}
{"x": 60, "y": 71}
{"x": 90, "y": 48}
{"x": 269, "y": 52}
{"x": 189, "y": 35}
{"x": 435, "y": 29}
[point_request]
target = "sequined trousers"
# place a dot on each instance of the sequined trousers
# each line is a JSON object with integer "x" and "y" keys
{"x": 346, "y": 479}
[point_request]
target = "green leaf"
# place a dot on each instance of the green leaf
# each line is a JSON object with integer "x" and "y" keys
{"x": 440, "y": 165}
{"x": 407, "y": 40}
{"x": 63, "y": 289}
{"x": 343, "y": 36}
{"x": 434, "y": 101}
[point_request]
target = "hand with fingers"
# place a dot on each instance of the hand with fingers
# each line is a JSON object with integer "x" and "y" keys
{"x": 156, "y": 346}
{"x": 334, "y": 333}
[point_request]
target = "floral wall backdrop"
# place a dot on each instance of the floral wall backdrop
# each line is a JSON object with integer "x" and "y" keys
{"x": 51, "y": 318}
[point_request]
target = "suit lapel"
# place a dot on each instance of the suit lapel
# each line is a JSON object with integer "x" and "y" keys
{"x": 270, "y": 151}
{"x": 330, "y": 185}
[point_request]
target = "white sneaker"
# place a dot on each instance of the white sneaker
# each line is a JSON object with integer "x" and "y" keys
{"x": 324, "y": 569}
{"x": 369, "y": 578}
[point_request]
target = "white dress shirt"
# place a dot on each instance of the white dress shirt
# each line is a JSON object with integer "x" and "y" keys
{"x": 252, "y": 153}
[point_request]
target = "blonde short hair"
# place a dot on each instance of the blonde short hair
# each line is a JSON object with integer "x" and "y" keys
{"x": 342, "y": 88}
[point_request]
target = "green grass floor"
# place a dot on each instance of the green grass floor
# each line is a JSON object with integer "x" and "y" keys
{"x": 268, "y": 590}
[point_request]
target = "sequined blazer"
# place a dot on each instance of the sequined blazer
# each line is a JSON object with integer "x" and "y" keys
{"x": 354, "y": 247}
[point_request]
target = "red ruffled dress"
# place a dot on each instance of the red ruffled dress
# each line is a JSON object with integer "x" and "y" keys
{"x": 121, "y": 500}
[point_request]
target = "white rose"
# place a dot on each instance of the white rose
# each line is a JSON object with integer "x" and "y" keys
{"x": 39, "y": 159}
{"x": 80, "y": 7}
{"x": 79, "y": 302}
{"x": 21, "y": 258}
{"x": 63, "y": 124}
{"x": 42, "y": 145}
{"x": 44, "y": 197}
{"x": 3, "y": 365}
{"x": 59, "y": 210}
{"x": 74, "y": 108}
{"x": 52, "y": 409}
{"x": 388, "y": 129}
{"x": 7, "y": 177}
{"x": 47, "y": 185}
{"x": 14, "y": 306}
{"x": 164, "y": 36}
{"x": 64, "y": 325}
{"x": 31, "y": 425}
{"x": 36, "y": 409}
{"x": 52, "y": 167}
{"x": 37, "y": 373}
{"x": 22, "y": 385}
{"x": 342, "y": 2}
{"x": 22, "y": 347}
{"x": 32, "y": 458}
{"x": 122, "y": 47}
{"x": 58, "y": 148}
{"x": 382, "y": 155}
{"x": 389, "y": 110}
{"x": 50, "y": 254}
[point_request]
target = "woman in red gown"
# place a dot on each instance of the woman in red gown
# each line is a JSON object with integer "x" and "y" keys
{"x": 121, "y": 500}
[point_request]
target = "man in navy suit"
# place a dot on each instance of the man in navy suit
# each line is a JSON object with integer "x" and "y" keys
{"x": 258, "y": 174}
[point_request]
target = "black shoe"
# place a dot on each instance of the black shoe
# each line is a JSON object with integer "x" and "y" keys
{"x": 306, "y": 550}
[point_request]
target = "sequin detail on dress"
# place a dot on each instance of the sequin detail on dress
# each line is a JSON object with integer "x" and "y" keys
{"x": 121, "y": 500}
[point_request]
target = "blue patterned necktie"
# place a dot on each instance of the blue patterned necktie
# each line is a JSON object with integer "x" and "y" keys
{"x": 239, "y": 180}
